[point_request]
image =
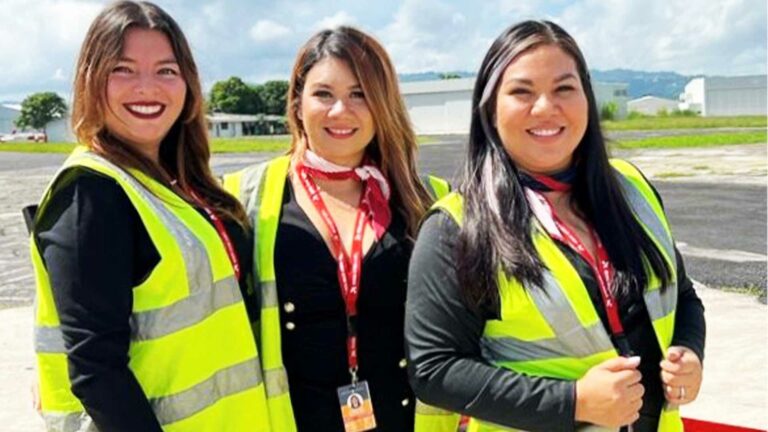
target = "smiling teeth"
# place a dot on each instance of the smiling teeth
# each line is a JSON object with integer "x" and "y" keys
{"x": 340, "y": 131}
{"x": 145, "y": 109}
{"x": 544, "y": 132}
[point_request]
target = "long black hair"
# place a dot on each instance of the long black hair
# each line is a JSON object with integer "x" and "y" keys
{"x": 497, "y": 230}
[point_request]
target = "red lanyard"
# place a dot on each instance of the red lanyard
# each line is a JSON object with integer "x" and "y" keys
{"x": 219, "y": 225}
{"x": 603, "y": 269}
{"x": 349, "y": 265}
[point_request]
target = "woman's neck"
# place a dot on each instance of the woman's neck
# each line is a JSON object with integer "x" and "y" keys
{"x": 560, "y": 200}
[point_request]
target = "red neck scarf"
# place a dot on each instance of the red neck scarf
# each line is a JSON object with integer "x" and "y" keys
{"x": 376, "y": 190}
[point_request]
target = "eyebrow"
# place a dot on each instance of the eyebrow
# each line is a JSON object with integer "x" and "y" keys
{"x": 329, "y": 87}
{"x": 164, "y": 61}
{"x": 563, "y": 77}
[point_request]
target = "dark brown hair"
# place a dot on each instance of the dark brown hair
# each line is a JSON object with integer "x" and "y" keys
{"x": 184, "y": 151}
{"x": 394, "y": 145}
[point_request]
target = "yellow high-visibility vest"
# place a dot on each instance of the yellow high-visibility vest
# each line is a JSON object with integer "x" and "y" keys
{"x": 554, "y": 330}
{"x": 260, "y": 189}
{"x": 192, "y": 348}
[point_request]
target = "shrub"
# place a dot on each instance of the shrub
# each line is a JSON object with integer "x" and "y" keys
{"x": 608, "y": 111}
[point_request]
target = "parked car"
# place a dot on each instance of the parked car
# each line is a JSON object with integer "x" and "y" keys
{"x": 24, "y": 137}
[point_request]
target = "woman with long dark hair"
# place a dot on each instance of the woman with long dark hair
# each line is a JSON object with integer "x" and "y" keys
{"x": 547, "y": 293}
{"x": 335, "y": 220}
{"x": 142, "y": 260}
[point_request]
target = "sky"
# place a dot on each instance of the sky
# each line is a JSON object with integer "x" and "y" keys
{"x": 257, "y": 40}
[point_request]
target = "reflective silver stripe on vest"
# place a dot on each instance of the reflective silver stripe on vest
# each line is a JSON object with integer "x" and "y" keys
{"x": 268, "y": 294}
{"x": 427, "y": 182}
{"x": 68, "y": 422}
{"x": 647, "y": 217}
{"x": 276, "y": 382}
{"x": 658, "y": 304}
{"x": 49, "y": 340}
{"x": 251, "y": 187}
{"x": 186, "y": 312}
{"x": 226, "y": 382}
{"x": 571, "y": 338}
{"x": 661, "y": 304}
{"x": 198, "y": 267}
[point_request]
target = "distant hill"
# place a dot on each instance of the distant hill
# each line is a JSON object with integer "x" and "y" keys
{"x": 663, "y": 84}
{"x": 430, "y": 76}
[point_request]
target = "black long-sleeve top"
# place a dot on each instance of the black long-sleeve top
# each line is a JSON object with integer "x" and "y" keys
{"x": 96, "y": 249}
{"x": 446, "y": 367}
{"x": 313, "y": 322}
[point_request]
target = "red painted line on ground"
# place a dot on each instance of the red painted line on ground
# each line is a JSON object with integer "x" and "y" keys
{"x": 691, "y": 425}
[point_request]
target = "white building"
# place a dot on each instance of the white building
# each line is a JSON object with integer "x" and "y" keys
{"x": 222, "y": 125}
{"x": 8, "y": 115}
{"x": 440, "y": 106}
{"x": 444, "y": 106}
{"x": 57, "y": 130}
{"x": 60, "y": 130}
{"x": 607, "y": 92}
{"x": 651, "y": 105}
{"x": 726, "y": 96}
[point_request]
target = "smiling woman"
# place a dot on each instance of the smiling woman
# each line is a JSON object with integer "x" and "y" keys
{"x": 547, "y": 294}
{"x": 142, "y": 261}
{"x": 145, "y": 91}
{"x": 335, "y": 220}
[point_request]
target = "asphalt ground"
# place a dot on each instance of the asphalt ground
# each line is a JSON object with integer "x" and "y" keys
{"x": 717, "y": 212}
{"x": 715, "y": 199}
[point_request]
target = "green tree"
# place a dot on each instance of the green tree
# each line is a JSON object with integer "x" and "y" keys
{"x": 235, "y": 97}
{"x": 608, "y": 111}
{"x": 274, "y": 94}
{"x": 38, "y": 109}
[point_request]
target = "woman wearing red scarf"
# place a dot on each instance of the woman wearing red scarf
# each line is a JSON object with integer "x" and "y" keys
{"x": 335, "y": 221}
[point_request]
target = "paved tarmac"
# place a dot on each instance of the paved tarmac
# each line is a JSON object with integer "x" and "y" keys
{"x": 728, "y": 181}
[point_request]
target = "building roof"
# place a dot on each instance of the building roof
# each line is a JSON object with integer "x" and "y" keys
{"x": 650, "y": 97}
{"x": 437, "y": 86}
{"x": 239, "y": 118}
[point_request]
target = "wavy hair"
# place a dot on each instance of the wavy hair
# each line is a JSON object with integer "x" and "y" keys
{"x": 184, "y": 151}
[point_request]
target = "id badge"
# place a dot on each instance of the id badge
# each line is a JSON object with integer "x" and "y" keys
{"x": 356, "y": 407}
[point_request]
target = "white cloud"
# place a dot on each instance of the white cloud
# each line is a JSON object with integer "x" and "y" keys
{"x": 431, "y": 35}
{"x": 41, "y": 37}
{"x": 690, "y": 37}
{"x": 335, "y": 20}
{"x": 265, "y": 31}
{"x": 258, "y": 39}
{"x": 59, "y": 75}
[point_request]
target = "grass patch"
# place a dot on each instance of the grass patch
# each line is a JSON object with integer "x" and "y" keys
{"x": 250, "y": 145}
{"x": 218, "y": 145}
{"x": 750, "y": 290}
{"x": 681, "y": 141}
{"x": 646, "y": 123}
{"x": 30, "y": 147}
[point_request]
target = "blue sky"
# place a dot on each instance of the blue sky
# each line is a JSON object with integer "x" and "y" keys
{"x": 257, "y": 40}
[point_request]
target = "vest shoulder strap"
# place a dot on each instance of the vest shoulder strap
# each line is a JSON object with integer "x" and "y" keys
{"x": 452, "y": 204}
